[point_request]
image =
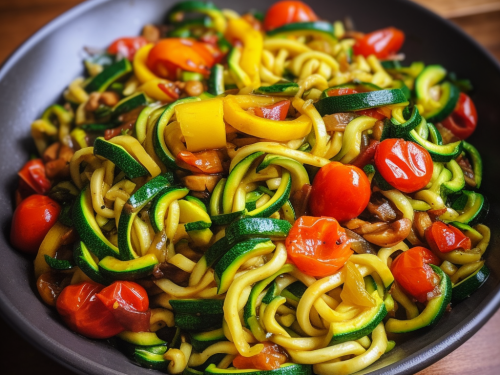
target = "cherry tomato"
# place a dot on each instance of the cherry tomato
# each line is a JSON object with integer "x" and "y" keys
{"x": 318, "y": 246}
{"x": 277, "y": 111}
{"x": 270, "y": 358}
{"x": 381, "y": 43}
{"x": 285, "y": 12}
{"x": 33, "y": 174}
{"x": 171, "y": 54}
{"x": 339, "y": 191}
{"x": 31, "y": 221}
{"x": 129, "y": 303}
{"x": 404, "y": 164}
{"x": 412, "y": 271}
{"x": 463, "y": 120}
{"x": 366, "y": 156}
{"x": 85, "y": 314}
{"x": 444, "y": 238}
{"x": 127, "y": 47}
{"x": 372, "y": 113}
{"x": 200, "y": 162}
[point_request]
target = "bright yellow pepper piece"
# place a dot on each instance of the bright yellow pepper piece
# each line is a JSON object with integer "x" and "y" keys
{"x": 151, "y": 89}
{"x": 253, "y": 44}
{"x": 202, "y": 124}
{"x": 141, "y": 70}
{"x": 248, "y": 123}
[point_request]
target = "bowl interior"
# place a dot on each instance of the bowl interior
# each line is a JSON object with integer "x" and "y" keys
{"x": 40, "y": 70}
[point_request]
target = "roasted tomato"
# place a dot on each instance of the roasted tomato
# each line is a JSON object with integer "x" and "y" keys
{"x": 32, "y": 220}
{"x": 127, "y": 47}
{"x": 412, "y": 271}
{"x": 277, "y": 111}
{"x": 404, "y": 164}
{"x": 381, "y": 43}
{"x": 445, "y": 238}
{"x": 270, "y": 358}
{"x": 339, "y": 191}
{"x": 318, "y": 246}
{"x": 285, "y": 12}
{"x": 463, "y": 120}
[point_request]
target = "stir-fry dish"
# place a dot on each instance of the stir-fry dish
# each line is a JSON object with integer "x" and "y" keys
{"x": 259, "y": 193}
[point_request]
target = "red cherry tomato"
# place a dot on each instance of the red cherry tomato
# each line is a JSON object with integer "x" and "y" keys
{"x": 404, "y": 164}
{"x": 127, "y": 46}
{"x": 463, "y": 120}
{"x": 444, "y": 238}
{"x": 85, "y": 314}
{"x": 381, "y": 43}
{"x": 285, "y": 12}
{"x": 33, "y": 174}
{"x": 270, "y": 358}
{"x": 129, "y": 303}
{"x": 339, "y": 191}
{"x": 412, "y": 271}
{"x": 169, "y": 55}
{"x": 277, "y": 111}
{"x": 31, "y": 221}
{"x": 318, "y": 246}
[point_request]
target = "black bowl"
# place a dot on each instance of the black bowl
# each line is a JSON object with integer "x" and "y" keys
{"x": 39, "y": 71}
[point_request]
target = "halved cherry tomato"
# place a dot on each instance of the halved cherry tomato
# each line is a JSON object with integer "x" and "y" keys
{"x": 33, "y": 173}
{"x": 270, "y": 358}
{"x": 171, "y": 54}
{"x": 85, "y": 314}
{"x": 285, "y": 12}
{"x": 129, "y": 303}
{"x": 339, "y": 191}
{"x": 381, "y": 43}
{"x": 463, "y": 120}
{"x": 372, "y": 113}
{"x": 31, "y": 221}
{"x": 275, "y": 111}
{"x": 200, "y": 162}
{"x": 404, "y": 164}
{"x": 318, "y": 246}
{"x": 444, "y": 238}
{"x": 412, "y": 271}
{"x": 127, "y": 46}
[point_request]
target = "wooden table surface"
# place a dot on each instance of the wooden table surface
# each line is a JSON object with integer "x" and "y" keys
{"x": 480, "y": 18}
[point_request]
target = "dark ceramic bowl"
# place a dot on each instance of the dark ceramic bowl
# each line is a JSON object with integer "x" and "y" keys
{"x": 40, "y": 70}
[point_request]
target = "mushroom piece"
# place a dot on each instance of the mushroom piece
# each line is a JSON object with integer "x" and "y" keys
{"x": 391, "y": 235}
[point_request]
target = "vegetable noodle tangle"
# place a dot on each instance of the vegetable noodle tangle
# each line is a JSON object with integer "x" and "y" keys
{"x": 258, "y": 195}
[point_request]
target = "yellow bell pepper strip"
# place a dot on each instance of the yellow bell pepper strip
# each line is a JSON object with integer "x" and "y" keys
{"x": 141, "y": 70}
{"x": 261, "y": 127}
{"x": 151, "y": 89}
{"x": 253, "y": 44}
{"x": 208, "y": 134}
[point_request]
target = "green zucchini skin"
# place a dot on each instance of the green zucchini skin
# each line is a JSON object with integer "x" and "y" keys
{"x": 120, "y": 157}
{"x": 89, "y": 267}
{"x": 246, "y": 228}
{"x": 355, "y": 102}
{"x": 129, "y": 103}
{"x": 202, "y": 340}
{"x": 285, "y": 369}
{"x": 58, "y": 264}
{"x": 469, "y": 285}
{"x": 160, "y": 204}
{"x": 151, "y": 360}
{"x": 110, "y": 74}
{"x": 278, "y": 89}
{"x": 190, "y": 322}
{"x": 198, "y": 306}
{"x": 477, "y": 162}
{"x": 216, "y": 80}
{"x": 133, "y": 269}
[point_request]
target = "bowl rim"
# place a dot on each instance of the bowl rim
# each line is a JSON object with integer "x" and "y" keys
{"x": 76, "y": 362}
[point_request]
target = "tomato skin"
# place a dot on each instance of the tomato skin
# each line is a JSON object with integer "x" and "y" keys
{"x": 129, "y": 303}
{"x": 127, "y": 46}
{"x": 381, "y": 43}
{"x": 200, "y": 162}
{"x": 412, "y": 271}
{"x": 285, "y": 12}
{"x": 463, "y": 120}
{"x": 84, "y": 313}
{"x": 171, "y": 54}
{"x": 318, "y": 246}
{"x": 339, "y": 191}
{"x": 33, "y": 174}
{"x": 31, "y": 221}
{"x": 270, "y": 358}
{"x": 277, "y": 111}
{"x": 404, "y": 164}
{"x": 445, "y": 238}
{"x": 341, "y": 91}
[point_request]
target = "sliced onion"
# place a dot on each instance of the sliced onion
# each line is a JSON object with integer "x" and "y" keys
{"x": 359, "y": 244}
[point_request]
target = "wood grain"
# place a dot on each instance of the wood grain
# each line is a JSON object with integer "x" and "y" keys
{"x": 480, "y": 18}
